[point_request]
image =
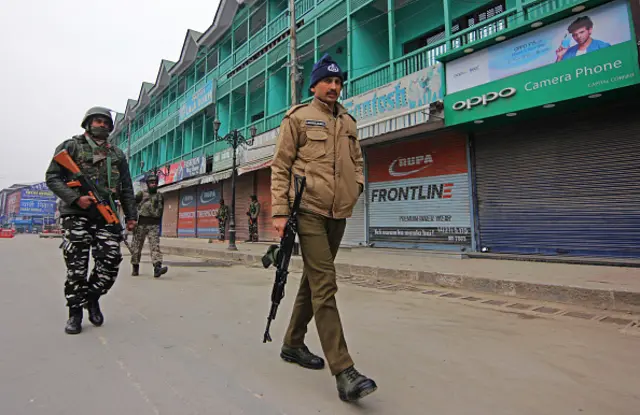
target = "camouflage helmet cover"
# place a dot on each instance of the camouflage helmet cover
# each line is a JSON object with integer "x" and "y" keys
{"x": 93, "y": 111}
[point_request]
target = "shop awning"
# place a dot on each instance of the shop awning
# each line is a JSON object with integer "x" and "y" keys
{"x": 216, "y": 177}
{"x": 255, "y": 165}
{"x": 180, "y": 185}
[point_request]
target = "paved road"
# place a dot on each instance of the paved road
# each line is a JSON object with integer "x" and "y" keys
{"x": 191, "y": 343}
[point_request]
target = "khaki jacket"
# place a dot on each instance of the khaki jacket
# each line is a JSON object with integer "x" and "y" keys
{"x": 325, "y": 149}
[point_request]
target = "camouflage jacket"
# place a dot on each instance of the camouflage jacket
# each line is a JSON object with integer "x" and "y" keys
{"x": 93, "y": 164}
{"x": 150, "y": 205}
{"x": 223, "y": 212}
{"x": 254, "y": 210}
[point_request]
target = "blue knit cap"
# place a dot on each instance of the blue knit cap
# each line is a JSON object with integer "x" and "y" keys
{"x": 325, "y": 68}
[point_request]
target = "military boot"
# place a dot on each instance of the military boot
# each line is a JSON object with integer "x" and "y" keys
{"x": 353, "y": 386}
{"x": 95, "y": 314}
{"x": 74, "y": 324}
{"x": 159, "y": 270}
{"x": 136, "y": 270}
{"x": 301, "y": 356}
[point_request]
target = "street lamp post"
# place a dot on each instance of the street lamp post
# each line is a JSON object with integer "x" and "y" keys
{"x": 235, "y": 139}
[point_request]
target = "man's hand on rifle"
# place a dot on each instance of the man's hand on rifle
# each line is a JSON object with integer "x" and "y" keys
{"x": 84, "y": 202}
{"x": 131, "y": 225}
{"x": 280, "y": 223}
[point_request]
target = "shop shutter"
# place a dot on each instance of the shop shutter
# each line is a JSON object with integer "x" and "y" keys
{"x": 266, "y": 231}
{"x": 566, "y": 185}
{"x": 354, "y": 233}
{"x": 418, "y": 192}
{"x": 170, "y": 215}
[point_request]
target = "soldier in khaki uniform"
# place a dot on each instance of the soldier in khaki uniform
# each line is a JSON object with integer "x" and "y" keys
{"x": 319, "y": 140}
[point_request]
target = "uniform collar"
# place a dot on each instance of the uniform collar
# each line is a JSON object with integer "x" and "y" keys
{"x": 325, "y": 108}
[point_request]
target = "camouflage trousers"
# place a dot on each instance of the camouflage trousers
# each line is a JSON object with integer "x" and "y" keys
{"x": 139, "y": 234}
{"x": 222, "y": 225}
{"x": 253, "y": 230}
{"x": 82, "y": 237}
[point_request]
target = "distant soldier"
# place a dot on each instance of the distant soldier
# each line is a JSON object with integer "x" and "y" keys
{"x": 222, "y": 215}
{"x": 150, "y": 208}
{"x": 253, "y": 212}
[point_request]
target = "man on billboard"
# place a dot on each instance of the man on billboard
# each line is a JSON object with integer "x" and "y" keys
{"x": 580, "y": 30}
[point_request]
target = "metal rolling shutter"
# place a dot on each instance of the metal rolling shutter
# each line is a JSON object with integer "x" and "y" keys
{"x": 354, "y": 233}
{"x": 568, "y": 185}
{"x": 244, "y": 189}
{"x": 170, "y": 214}
{"x": 418, "y": 192}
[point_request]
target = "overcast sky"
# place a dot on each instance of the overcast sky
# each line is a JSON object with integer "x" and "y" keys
{"x": 61, "y": 57}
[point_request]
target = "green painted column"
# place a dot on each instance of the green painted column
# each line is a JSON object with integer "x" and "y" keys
{"x": 391, "y": 18}
{"x": 349, "y": 40}
{"x": 247, "y": 98}
{"x": 204, "y": 128}
{"x": 447, "y": 26}
{"x": 520, "y": 12}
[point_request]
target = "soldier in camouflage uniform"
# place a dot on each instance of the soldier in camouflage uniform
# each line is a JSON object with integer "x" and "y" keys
{"x": 253, "y": 212}
{"x": 150, "y": 208}
{"x": 222, "y": 215}
{"x": 85, "y": 231}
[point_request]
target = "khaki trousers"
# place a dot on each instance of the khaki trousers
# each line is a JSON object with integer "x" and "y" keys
{"x": 319, "y": 241}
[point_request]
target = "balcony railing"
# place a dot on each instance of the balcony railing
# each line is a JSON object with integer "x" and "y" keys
{"x": 374, "y": 78}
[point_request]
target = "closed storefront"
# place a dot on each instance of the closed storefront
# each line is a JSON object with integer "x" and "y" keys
{"x": 266, "y": 231}
{"x": 208, "y": 203}
{"x": 170, "y": 214}
{"x": 244, "y": 189}
{"x": 419, "y": 193}
{"x": 568, "y": 185}
{"x": 355, "y": 233}
{"x": 187, "y": 213}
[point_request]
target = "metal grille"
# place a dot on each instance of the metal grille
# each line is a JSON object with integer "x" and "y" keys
{"x": 305, "y": 34}
{"x": 257, "y": 67}
{"x": 333, "y": 16}
{"x": 354, "y": 233}
{"x": 279, "y": 52}
{"x": 568, "y": 185}
{"x": 239, "y": 78}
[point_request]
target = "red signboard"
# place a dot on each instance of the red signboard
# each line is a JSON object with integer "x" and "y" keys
{"x": 187, "y": 213}
{"x": 423, "y": 158}
{"x": 208, "y": 204}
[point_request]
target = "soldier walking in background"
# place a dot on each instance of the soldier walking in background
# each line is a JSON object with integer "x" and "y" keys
{"x": 222, "y": 215}
{"x": 150, "y": 208}
{"x": 253, "y": 212}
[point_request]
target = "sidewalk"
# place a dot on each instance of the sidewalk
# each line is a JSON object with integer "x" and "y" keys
{"x": 601, "y": 287}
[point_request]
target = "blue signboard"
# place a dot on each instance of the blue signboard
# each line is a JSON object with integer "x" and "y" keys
{"x": 31, "y": 207}
{"x": 38, "y": 191}
{"x": 200, "y": 99}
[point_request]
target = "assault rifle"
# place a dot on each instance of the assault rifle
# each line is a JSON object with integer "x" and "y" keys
{"x": 280, "y": 255}
{"x": 80, "y": 181}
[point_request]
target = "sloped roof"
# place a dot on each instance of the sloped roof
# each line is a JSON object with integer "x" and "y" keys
{"x": 188, "y": 53}
{"x": 163, "y": 78}
{"x": 222, "y": 21}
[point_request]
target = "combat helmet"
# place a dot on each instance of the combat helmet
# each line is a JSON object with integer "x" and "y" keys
{"x": 105, "y": 112}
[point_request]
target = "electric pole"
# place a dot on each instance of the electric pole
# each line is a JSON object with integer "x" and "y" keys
{"x": 294, "y": 56}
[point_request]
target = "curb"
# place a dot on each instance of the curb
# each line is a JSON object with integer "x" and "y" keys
{"x": 615, "y": 300}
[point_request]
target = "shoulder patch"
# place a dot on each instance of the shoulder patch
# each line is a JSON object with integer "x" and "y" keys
{"x": 294, "y": 109}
